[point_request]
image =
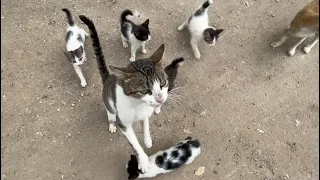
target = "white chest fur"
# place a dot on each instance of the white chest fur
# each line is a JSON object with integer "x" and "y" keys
{"x": 130, "y": 109}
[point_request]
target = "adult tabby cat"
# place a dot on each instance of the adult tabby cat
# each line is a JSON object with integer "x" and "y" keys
{"x": 133, "y": 95}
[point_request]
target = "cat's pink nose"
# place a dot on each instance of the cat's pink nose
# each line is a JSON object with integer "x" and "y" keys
{"x": 159, "y": 98}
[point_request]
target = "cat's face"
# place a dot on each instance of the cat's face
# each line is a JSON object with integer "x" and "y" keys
{"x": 211, "y": 35}
{"x": 132, "y": 168}
{"x": 145, "y": 79}
{"x": 78, "y": 56}
{"x": 142, "y": 32}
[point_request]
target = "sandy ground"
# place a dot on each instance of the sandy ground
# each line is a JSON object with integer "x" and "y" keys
{"x": 254, "y": 108}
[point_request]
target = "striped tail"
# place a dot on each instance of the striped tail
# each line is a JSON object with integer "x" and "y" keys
{"x": 97, "y": 48}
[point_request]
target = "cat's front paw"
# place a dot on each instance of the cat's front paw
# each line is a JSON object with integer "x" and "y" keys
{"x": 112, "y": 127}
{"x": 144, "y": 163}
{"x": 180, "y": 28}
{"x": 125, "y": 44}
{"x": 291, "y": 52}
{"x": 157, "y": 110}
{"x": 274, "y": 44}
{"x": 197, "y": 55}
{"x": 144, "y": 51}
{"x": 83, "y": 83}
{"x": 132, "y": 59}
{"x": 148, "y": 142}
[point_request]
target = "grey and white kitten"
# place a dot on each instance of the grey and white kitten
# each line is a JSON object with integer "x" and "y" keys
{"x": 136, "y": 35}
{"x": 132, "y": 94}
{"x": 166, "y": 161}
{"x": 75, "y": 38}
{"x": 198, "y": 25}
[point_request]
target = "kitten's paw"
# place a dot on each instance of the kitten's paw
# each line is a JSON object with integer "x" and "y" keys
{"x": 291, "y": 52}
{"x": 197, "y": 55}
{"x": 125, "y": 44}
{"x": 306, "y": 49}
{"x": 112, "y": 127}
{"x": 180, "y": 28}
{"x": 274, "y": 44}
{"x": 132, "y": 59}
{"x": 144, "y": 51}
{"x": 148, "y": 142}
{"x": 157, "y": 110}
{"x": 144, "y": 163}
{"x": 83, "y": 83}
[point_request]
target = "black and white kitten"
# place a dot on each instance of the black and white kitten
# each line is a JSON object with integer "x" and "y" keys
{"x": 166, "y": 161}
{"x": 198, "y": 25}
{"x": 136, "y": 35}
{"x": 75, "y": 46}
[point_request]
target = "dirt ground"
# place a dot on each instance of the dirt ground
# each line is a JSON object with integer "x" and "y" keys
{"x": 254, "y": 108}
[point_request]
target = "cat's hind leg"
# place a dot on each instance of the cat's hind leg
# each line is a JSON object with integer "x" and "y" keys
{"x": 124, "y": 41}
{"x": 112, "y": 122}
{"x": 194, "y": 44}
{"x": 183, "y": 25}
{"x": 308, "y": 48}
{"x": 79, "y": 73}
{"x": 280, "y": 42}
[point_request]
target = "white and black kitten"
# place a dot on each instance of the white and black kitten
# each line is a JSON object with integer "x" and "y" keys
{"x": 166, "y": 161}
{"x": 136, "y": 35}
{"x": 75, "y": 46}
{"x": 198, "y": 25}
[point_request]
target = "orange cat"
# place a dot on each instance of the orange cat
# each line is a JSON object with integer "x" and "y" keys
{"x": 305, "y": 24}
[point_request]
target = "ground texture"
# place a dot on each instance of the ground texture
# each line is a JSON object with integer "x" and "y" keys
{"x": 254, "y": 108}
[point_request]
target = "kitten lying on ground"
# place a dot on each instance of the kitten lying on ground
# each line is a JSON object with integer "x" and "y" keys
{"x": 305, "y": 24}
{"x": 166, "y": 161}
{"x": 136, "y": 35}
{"x": 75, "y": 46}
{"x": 198, "y": 25}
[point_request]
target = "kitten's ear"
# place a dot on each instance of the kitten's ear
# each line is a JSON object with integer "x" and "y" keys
{"x": 119, "y": 71}
{"x": 146, "y": 23}
{"x": 218, "y": 31}
{"x": 157, "y": 55}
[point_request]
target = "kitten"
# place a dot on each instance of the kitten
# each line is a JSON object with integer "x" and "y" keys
{"x": 305, "y": 24}
{"x": 166, "y": 161}
{"x": 75, "y": 46}
{"x": 136, "y": 35}
{"x": 132, "y": 94}
{"x": 198, "y": 25}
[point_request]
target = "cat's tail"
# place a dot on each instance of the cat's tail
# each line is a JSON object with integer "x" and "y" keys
{"x": 206, "y": 4}
{"x": 176, "y": 63}
{"x": 97, "y": 48}
{"x": 172, "y": 71}
{"x": 126, "y": 13}
{"x": 69, "y": 17}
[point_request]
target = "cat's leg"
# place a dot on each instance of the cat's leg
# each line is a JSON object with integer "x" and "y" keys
{"x": 124, "y": 41}
{"x": 143, "y": 50}
{"x": 79, "y": 73}
{"x": 157, "y": 110}
{"x": 308, "y": 48}
{"x": 112, "y": 122}
{"x": 132, "y": 138}
{"x": 281, "y": 41}
{"x": 292, "y": 50}
{"x": 194, "y": 44}
{"x": 134, "y": 48}
{"x": 85, "y": 33}
{"x": 146, "y": 132}
{"x": 183, "y": 25}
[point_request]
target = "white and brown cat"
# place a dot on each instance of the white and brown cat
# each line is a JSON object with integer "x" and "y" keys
{"x": 305, "y": 24}
{"x": 133, "y": 93}
{"x": 198, "y": 25}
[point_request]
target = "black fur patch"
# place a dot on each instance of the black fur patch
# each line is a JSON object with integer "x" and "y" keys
{"x": 194, "y": 143}
{"x": 210, "y": 34}
{"x": 79, "y": 38}
{"x": 159, "y": 161}
{"x": 174, "y": 154}
{"x": 132, "y": 168}
{"x": 68, "y": 35}
{"x": 200, "y": 11}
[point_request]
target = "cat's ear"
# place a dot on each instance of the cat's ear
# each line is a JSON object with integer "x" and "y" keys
{"x": 157, "y": 55}
{"x": 119, "y": 71}
{"x": 145, "y": 24}
{"x": 218, "y": 31}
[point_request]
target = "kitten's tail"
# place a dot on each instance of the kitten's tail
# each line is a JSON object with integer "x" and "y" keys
{"x": 124, "y": 15}
{"x": 172, "y": 71}
{"x": 69, "y": 17}
{"x": 206, "y": 4}
{"x": 176, "y": 63}
{"x": 97, "y": 48}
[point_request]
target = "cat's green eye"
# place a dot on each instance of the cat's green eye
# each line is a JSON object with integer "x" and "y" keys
{"x": 146, "y": 91}
{"x": 163, "y": 83}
